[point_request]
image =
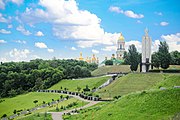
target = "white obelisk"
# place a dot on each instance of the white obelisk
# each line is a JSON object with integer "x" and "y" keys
{"x": 146, "y": 51}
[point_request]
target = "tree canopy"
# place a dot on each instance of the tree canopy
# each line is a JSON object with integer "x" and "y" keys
{"x": 19, "y": 77}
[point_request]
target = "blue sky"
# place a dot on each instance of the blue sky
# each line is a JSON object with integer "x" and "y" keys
{"x": 64, "y": 28}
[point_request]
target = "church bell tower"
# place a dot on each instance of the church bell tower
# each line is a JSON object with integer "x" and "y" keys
{"x": 120, "y": 47}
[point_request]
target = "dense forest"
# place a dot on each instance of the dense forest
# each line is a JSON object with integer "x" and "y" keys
{"x": 20, "y": 77}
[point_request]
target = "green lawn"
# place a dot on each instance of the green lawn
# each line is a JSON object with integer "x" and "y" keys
{"x": 149, "y": 105}
{"x": 72, "y": 85}
{"x": 130, "y": 83}
{"x": 39, "y": 116}
{"x": 114, "y": 68}
{"x": 25, "y": 101}
{"x": 170, "y": 81}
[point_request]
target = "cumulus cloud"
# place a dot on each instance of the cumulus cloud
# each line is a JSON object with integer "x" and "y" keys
{"x": 69, "y": 22}
{"x": 2, "y": 41}
{"x": 164, "y": 23}
{"x": 19, "y": 54}
{"x": 23, "y": 30}
{"x": 18, "y": 2}
{"x": 73, "y": 48}
{"x": 50, "y": 50}
{"x": 128, "y": 13}
{"x": 2, "y": 5}
{"x": 3, "y": 31}
{"x": 39, "y": 33}
{"x": 95, "y": 51}
{"x": 173, "y": 40}
{"x": 20, "y": 41}
{"x": 40, "y": 45}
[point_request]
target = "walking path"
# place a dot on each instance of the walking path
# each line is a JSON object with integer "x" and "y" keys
{"x": 58, "y": 115}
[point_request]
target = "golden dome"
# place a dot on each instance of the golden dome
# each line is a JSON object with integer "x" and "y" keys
{"x": 121, "y": 38}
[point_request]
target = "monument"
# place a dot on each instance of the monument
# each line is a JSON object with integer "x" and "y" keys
{"x": 120, "y": 47}
{"x": 146, "y": 52}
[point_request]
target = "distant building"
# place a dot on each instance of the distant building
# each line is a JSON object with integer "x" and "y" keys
{"x": 120, "y": 47}
{"x": 118, "y": 59}
{"x": 92, "y": 59}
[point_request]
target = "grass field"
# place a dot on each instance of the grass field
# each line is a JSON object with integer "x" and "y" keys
{"x": 53, "y": 108}
{"x": 170, "y": 80}
{"x": 24, "y": 102}
{"x": 41, "y": 116}
{"x": 130, "y": 83}
{"x": 72, "y": 85}
{"x": 149, "y": 105}
{"x": 114, "y": 68}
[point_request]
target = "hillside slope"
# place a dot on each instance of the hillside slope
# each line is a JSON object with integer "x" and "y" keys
{"x": 150, "y": 105}
{"x": 114, "y": 68}
{"x": 130, "y": 83}
{"x": 72, "y": 85}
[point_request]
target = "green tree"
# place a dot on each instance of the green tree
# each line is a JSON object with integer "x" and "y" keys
{"x": 155, "y": 60}
{"x": 133, "y": 57}
{"x": 175, "y": 58}
{"x": 109, "y": 62}
{"x": 77, "y": 71}
{"x": 35, "y": 101}
{"x": 164, "y": 55}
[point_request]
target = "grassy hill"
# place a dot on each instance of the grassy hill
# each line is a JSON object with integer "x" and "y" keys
{"x": 130, "y": 83}
{"x": 114, "y": 68}
{"x": 147, "y": 105}
{"x": 23, "y": 102}
{"x": 72, "y": 85}
{"x": 170, "y": 80}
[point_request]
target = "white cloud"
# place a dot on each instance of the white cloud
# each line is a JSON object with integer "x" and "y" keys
{"x": 73, "y": 48}
{"x": 173, "y": 40}
{"x": 109, "y": 48}
{"x": 158, "y": 13}
{"x": 18, "y": 2}
{"x": 95, "y": 51}
{"x": 128, "y": 13}
{"x": 40, "y": 45}
{"x": 23, "y": 30}
{"x": 2, "y": 5}
{"x": 139, "y": 22}
{"x": 18, "y": 55}
{"x": 10, "y": 26}
{"x": 2, "y": 19}
{"x": 164, "y": 23}
{"x": 3, "y": 41}
{"x": 115, "y": 9}
{"x": 69, "y": 22}
{"x": 3, "y": 60}
{"x": 137, "y": 43}
{"x": 20, "y": 41}
{"x": 39, "y": 33}
{"x": 50, "y": 50}
{"x": 3, "y": 31}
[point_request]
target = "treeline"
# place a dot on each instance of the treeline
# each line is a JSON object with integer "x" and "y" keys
{"x": 19, "y": 77}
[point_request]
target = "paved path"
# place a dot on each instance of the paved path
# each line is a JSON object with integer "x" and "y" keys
{"x": 58, "y": 115}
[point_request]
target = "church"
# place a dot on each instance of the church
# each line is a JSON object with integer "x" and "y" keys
{"x": 118, "y": 59}
{"x": 92, "y": 59}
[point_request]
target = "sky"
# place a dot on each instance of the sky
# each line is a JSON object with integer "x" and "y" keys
{"x": 45, "y": 29}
